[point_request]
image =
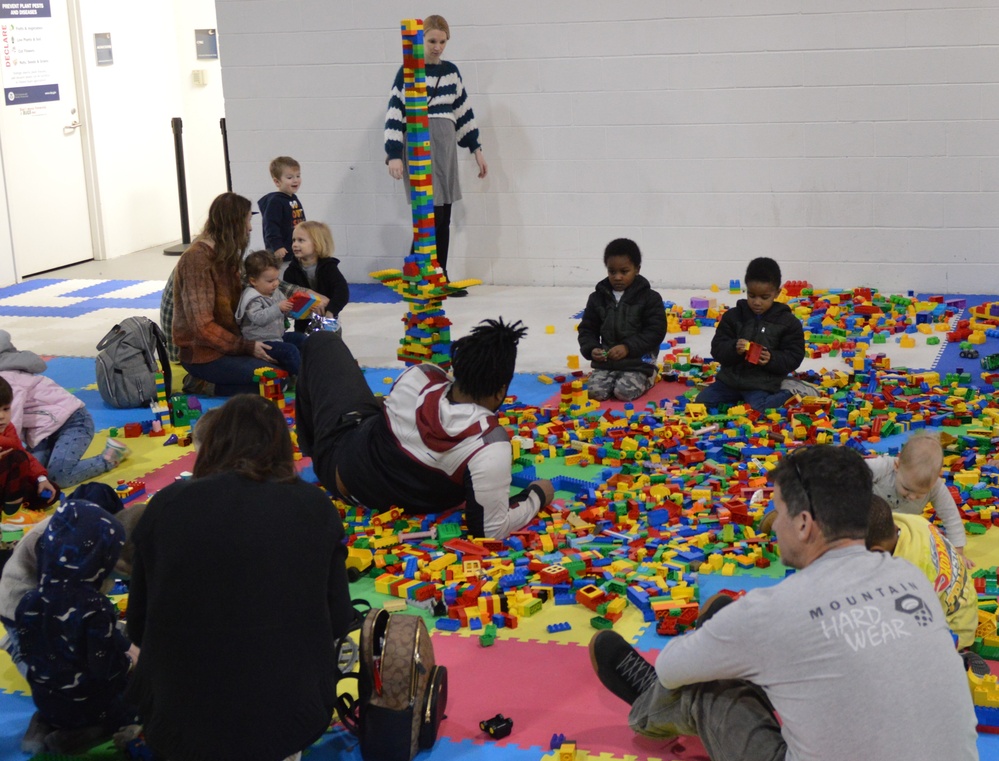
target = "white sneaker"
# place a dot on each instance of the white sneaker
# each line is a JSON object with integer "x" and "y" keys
{"x": 800, "y": 387}
{"x": 115, "y": 452}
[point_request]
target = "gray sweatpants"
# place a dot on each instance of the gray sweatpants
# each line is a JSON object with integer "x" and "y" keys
{"x": 625, "y": 385}
{"x": 733, "y": 719}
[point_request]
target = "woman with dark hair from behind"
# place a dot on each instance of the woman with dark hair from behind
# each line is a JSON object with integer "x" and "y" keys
{"x": 239, "y": 591}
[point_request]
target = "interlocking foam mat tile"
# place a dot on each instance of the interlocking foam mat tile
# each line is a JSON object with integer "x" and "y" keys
{"x": 542, "y": 680}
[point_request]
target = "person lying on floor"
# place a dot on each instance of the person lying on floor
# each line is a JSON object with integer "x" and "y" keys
{"x": 436, "y": 444}
{"x": 853, "y": 651}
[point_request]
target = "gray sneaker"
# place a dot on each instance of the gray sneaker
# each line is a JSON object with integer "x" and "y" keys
{"x": 800, "y": 387}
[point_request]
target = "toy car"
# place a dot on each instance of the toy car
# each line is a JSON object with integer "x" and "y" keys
{"x": 969, "y": 354}
{"x": 359, "y": 560}
{"x": 497, "y": 727}
{"x": 990, "y": 362}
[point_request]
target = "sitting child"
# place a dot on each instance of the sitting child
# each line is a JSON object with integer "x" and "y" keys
{"x": 915, "y": 539}
{"x": 757, "y": 343}
{"x": 78, "y": 661}
{"x": 261, "y": 316}
{"x": 623, "y": 326}
{"x": 315, "y": 267}
{"x": 20, "y": 573}
{"x": 24, "y": 483}
{"x": 56, "y": 429}
{"x": 911, "y": 480}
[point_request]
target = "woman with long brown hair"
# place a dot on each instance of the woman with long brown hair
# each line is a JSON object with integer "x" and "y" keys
{"x": 206, "y": 287}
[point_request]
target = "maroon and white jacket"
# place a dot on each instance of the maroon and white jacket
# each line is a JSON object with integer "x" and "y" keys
{"x": 427, "y": 454}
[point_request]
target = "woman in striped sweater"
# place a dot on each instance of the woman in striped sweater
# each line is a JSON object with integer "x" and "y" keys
{"x": 451, "y": 123}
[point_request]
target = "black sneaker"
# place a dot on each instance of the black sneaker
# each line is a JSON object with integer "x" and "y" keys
{"x": 975, "y": 663}
{"x": 711, "y": 606}
{"x": 619, "y": 666}
{"x": 33, "y": 741}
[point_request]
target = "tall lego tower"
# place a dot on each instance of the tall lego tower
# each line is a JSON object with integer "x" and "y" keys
{"x": 421, "y": 281}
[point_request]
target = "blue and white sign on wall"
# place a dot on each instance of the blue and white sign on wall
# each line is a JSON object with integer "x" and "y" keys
{"x": 26, "y": 49}
{"x": 206, "y": 43}
{"x": 25, "y": 9}
{"x": 18, "y": 96}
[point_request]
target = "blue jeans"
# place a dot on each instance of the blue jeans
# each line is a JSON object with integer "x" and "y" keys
{"x": 287, "y": 352}
{"x": 61, "y": 452}
{"x": 12, "y": 644}
{"x": 231, "y": 374}
{"x": 718, "y": 393}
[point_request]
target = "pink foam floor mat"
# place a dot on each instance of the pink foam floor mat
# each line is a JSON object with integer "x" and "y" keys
{"x": 546, "y": 689}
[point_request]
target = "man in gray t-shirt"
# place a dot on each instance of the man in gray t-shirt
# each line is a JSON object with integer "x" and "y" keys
{"x": 852, "y": 652}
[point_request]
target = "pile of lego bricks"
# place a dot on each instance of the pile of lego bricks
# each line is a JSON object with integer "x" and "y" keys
{"x": 843, "y": 324}
{"x": 646, "y": 497}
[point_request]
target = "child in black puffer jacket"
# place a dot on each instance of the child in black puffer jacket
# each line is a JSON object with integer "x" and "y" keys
{"x": 622, "y": 328}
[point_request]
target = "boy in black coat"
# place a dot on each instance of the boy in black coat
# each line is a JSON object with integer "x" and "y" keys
{"x": 757, "y": 343}
{"x": 622, "y": 328}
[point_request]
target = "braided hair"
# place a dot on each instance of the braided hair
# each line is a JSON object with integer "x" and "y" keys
{"x": 484, "y": 360}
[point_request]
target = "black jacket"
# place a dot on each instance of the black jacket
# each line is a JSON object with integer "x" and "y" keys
{"x": 777, "y": 329}
{"x": 330, "y": 283}
{"x": 638, "y": 321}
{"x": 236, "y": 621}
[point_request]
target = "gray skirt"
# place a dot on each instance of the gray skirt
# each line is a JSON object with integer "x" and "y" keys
{"x": 444, "y": 154}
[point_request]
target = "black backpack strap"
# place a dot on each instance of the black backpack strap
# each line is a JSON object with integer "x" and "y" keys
{"x": 348, "y": 708}
{"x": 115, "y": 334}
{"x": 161, "y": 350}
{"x": 361, "y": 608}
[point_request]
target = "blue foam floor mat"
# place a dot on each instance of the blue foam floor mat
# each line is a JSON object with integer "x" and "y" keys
{"x": 373, "y": 293}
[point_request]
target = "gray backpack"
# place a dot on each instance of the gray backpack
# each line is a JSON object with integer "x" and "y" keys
{"x": 126, "y": 364}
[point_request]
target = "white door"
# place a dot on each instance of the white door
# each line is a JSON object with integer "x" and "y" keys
{"x": 42, "y": 147}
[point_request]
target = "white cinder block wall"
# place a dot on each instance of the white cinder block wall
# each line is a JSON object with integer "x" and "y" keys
{"x": 854, "y": 141}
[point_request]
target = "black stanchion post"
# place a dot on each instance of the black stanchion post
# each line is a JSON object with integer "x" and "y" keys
{"x": 225, "y": 153}
{"x": 185, "y": 226}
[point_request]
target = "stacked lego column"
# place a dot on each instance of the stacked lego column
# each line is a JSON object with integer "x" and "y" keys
{"x": 421, "y": 283}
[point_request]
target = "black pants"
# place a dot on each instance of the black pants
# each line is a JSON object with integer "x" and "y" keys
{"x": 442, "y": 229}
{"x": 442, "y": 232}
{"x": 332, "y": 399}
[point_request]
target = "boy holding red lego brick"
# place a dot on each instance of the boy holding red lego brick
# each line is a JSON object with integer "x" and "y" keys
{"x": 757, "y": 343}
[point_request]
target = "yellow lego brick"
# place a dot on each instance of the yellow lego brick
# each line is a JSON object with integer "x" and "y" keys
{"x": 617, "y": 605}
{"x": 443, "y": 561}
{"x": 384, "y": 582}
